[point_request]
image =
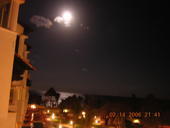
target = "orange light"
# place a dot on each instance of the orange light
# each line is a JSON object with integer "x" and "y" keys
{"x": 136, "y": 121}
{"x": 83, "y": 113}
{"x": 33, "y": 106}
{"x": 48, "y": 111}
{"x": 71, "y": 122}
{"x": 65, "y": 110}
{"x": 48, "y": 119}
{"x": 53, "y": 116}
{"x": 60, "y": 126}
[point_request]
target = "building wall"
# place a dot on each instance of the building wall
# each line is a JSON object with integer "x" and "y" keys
{"x": 11, "y": 116}
{"x": 7, "y": 47}
{"x": 11, "y": 120}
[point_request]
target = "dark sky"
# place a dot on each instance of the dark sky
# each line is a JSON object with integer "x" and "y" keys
{"x": 124, "y": 51}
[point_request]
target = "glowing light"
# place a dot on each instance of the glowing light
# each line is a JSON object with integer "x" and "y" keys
{"x": 136, "y": 121}
{"x": 67, "y": 17}
{"x": 71, "y": 122}
{"x": 83, "y": 113}
{"x": 65, "y": 110}
{"x": 32, "y": 124}
{"x": 48, "y": 111}
{"x": 32, "y": 116}
{"x": 33, "y": 106}
{"x": 48, "y": 119}
{"x": 97, "y": 120}
{"x": 53, "y": 116}
{"x": 60, "y": 126}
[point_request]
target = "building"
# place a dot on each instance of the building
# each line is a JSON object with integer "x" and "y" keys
{"x": 34, "y": 116}
{"x": 50, "y": 98}
{"x": 14, "y": 66}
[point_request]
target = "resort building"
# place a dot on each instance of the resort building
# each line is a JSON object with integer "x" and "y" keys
{"x": 14, "y": 66}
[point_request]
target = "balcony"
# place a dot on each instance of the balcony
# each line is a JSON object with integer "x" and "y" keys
{"x": 24, "y": 62}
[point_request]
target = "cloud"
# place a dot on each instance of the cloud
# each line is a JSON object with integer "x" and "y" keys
{"x": 41, "y": 21}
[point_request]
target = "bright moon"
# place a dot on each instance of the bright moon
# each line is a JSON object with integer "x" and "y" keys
{"x": 66, "y": 18}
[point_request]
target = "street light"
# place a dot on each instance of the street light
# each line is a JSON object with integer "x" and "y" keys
{"x": 48, "y": 111}
{"x": 97, "y": 120}
{"x": 84, "y": 114}
{"x": 60, "y": 126}
{"x": 33, "y": 106}
{"x": 53, "y": 116}
{"x": 136, "y": 121}
{"x": 71, "y": 122}
{"x": 65, "y": 110}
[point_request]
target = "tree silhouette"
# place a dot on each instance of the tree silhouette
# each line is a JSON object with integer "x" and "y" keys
{"x": 74, "y": 103}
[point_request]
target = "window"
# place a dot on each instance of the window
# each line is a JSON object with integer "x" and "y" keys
{"x": 4, "y": 12}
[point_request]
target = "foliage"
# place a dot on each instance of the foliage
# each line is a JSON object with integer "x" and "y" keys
{"x": 74, "y": 103}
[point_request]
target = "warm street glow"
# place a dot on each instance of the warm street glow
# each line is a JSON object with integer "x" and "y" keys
{"x": 71, "y": 122}
{"x": 48, "y": 119}
{"x": 136, "y": 121}
{"x": 32, "y": 116}
{"x": 48, "y": 111}
{"x": 65, "y": 110}
{"x": 84, "y": 114}
{"x": 79, "y": 117}
{"x": 60, "y": 126}
{"x": 97, "y": 120}
{"x": 33, "y": 106}
{"x": 53, "y": 116}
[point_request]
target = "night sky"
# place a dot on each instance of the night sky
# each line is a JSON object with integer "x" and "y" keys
{"x": 114, "y": 48}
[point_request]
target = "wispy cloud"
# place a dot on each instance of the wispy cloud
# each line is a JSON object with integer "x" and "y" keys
{"x": 41, "y": 21}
